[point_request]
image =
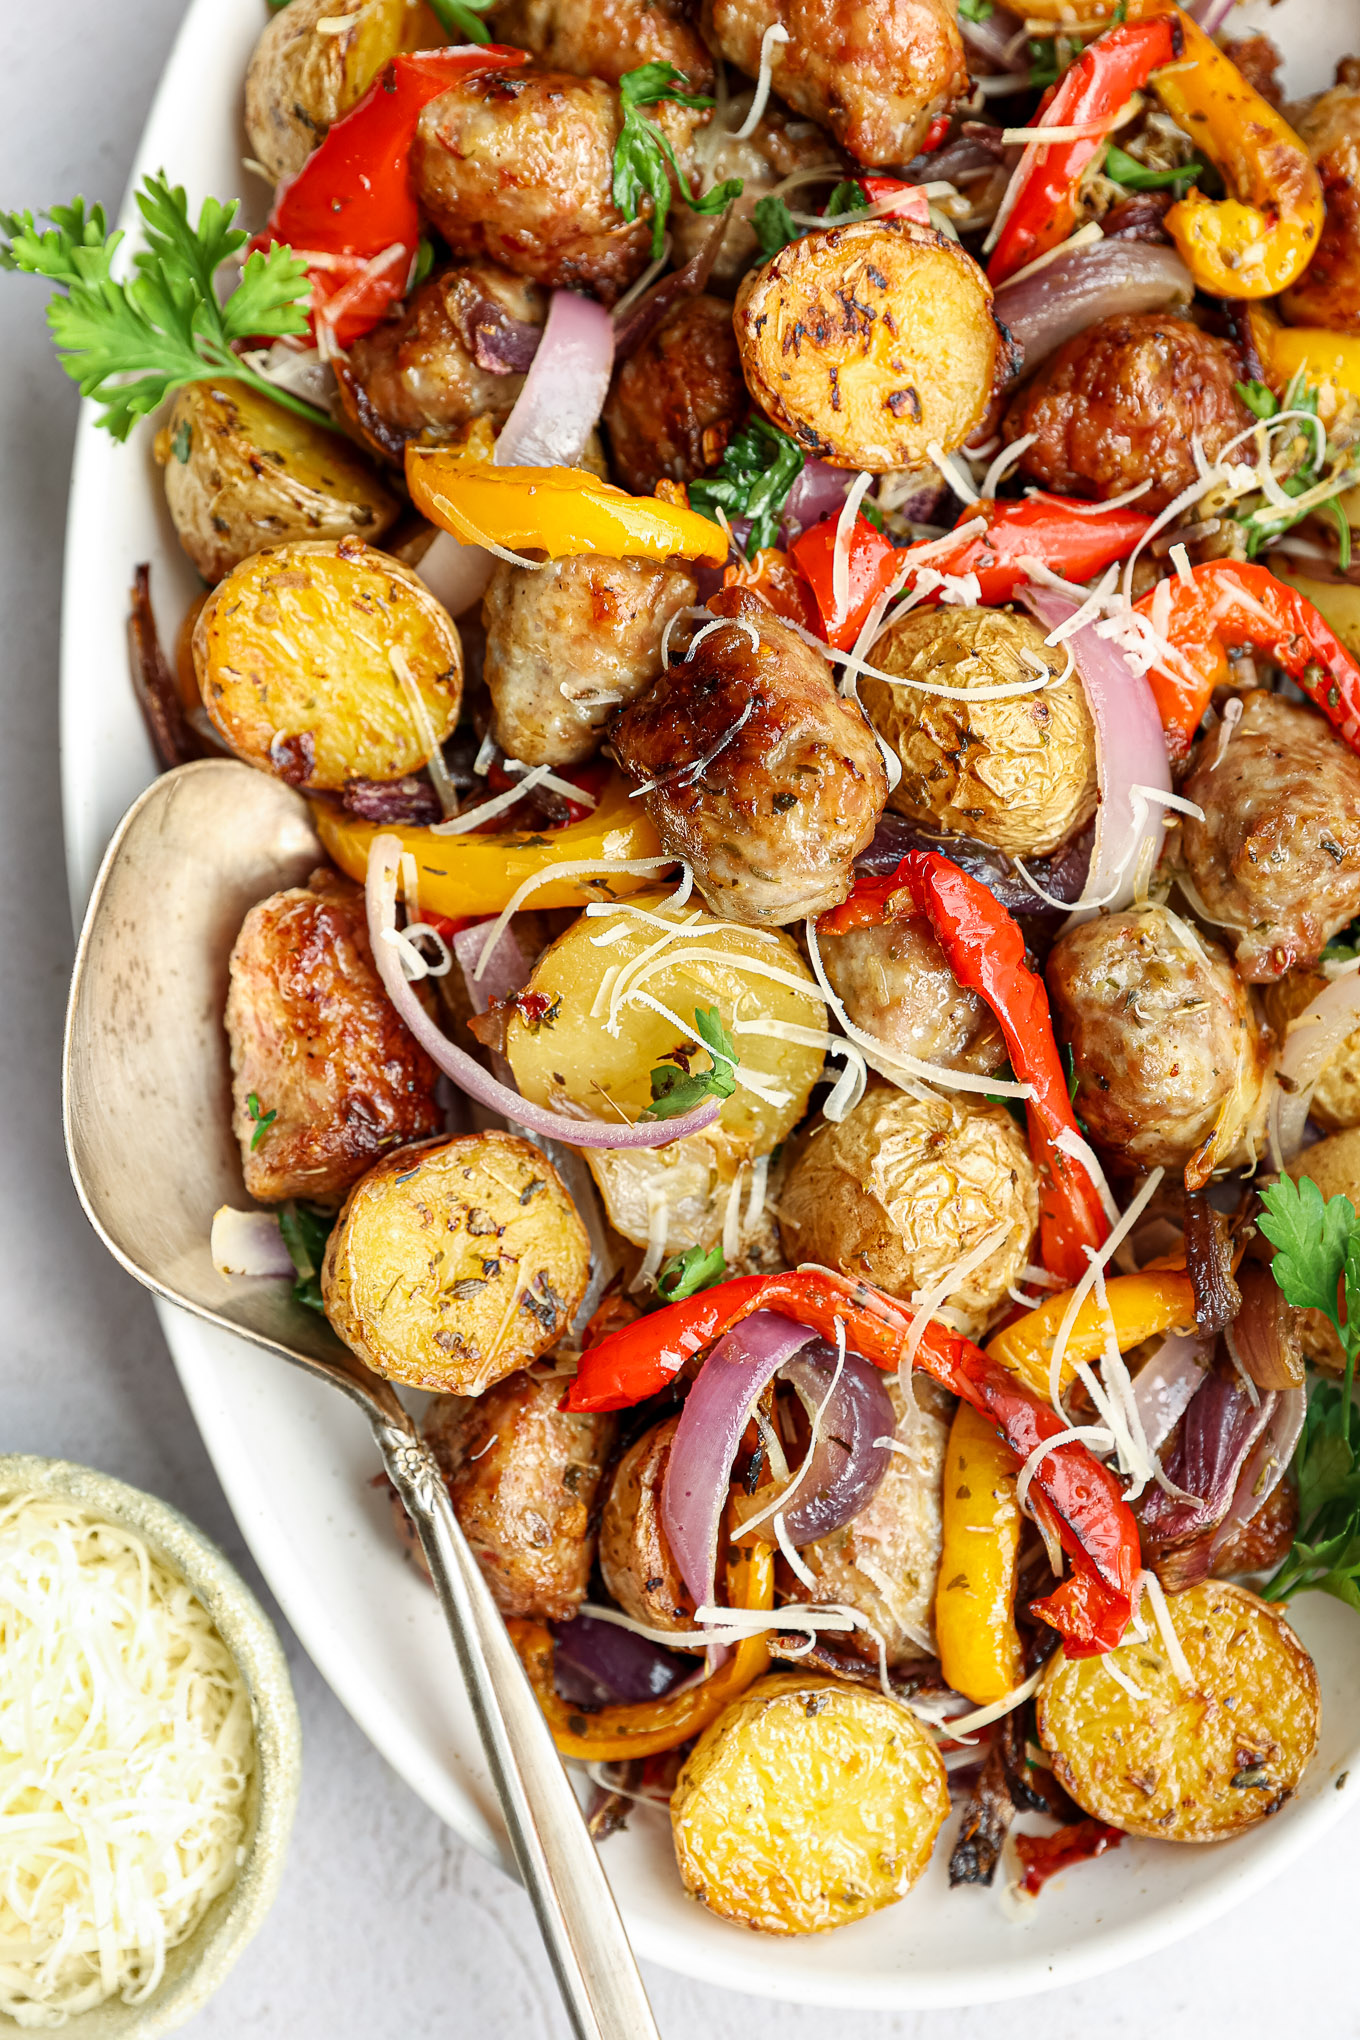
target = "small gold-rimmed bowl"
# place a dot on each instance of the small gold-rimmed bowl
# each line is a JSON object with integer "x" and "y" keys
{"x": 195, "y": 1969}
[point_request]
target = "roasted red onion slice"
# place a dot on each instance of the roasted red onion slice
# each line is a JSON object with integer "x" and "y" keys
{"x": 564, "y": 391}
{"x": 1267, "y": 1338}
{"x": 1165, "y": 1385}
{"x": 640, "y": 319}
{"x": 248, "y": 1243}
{"x": 848, "y": 1461}
{"x": 1312, "y": 1039}
{"x": 708, "y": 1434}
{"x": 615, "y": 1662}
{"x": 1266, "y": 1468}
{"x": 501, "y": 345}
{"x": 455, "y": 574}
{"x": 383, "y": 860}
{"x": 1060, "y": 876}
{"x": 1130, "y": 755}
{"x": 1218, "y": 1431}
{"x": 999, "y": 37}
{"x": 1069, "y": 293}
{"x": 818, "y": 493}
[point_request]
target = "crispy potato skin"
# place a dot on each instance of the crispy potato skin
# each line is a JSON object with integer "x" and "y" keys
{"x": 568, "y": 642}
{"x": 241, "y": 473}
{"x": 605, "y": 38}
{"x": 415, "y": 376}
{"x": 895, "y": 984}
{"x": 806, "y": 1804}
{"x": 316, "y": 1041}
{"x": 904, "y": 1187}
{"x": 1178, "y": 1766}
{"x": 292, "y": 656}
{"x": 866, "y": 343}
{"x": 638, "y": 1566}
{"x": 1328, "y": 292}
{"x": 785, "y": 784}
{"x": 299, "y": 82}
{"x": 518, "y": 166}
{"x": 523, "y": 1475}
{"x": 777, "y": 147}
{"x": 1162, "y": 1042}
{"x": 1336, "y": 1101}
{"x": 454, "y": 1263}
{"x": 1276, "y": 859}
{"x": 1121, "y": 404}
{"x": 1334, "y": 1165}
{"x": 1020, "y": 772}
{"x": 875, "y": 72}
{"x": 676, "y": 402}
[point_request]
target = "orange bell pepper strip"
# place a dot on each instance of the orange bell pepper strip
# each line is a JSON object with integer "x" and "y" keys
{"x": 980, "y": 1651}
{"x": 558, "y": 511}
{"x": 1230, "y": 603}
{"x": 643, "y": 1728}
{"x": 1139, "y": 1306}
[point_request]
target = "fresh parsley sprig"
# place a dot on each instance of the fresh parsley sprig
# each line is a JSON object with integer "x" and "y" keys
{"x": 774, "y": 225}
{"x": 1264, "y": 522}
{"x": 130, "y": 344}
{"x": 644, "y": 158}
{"x": 684, "y": 1275}
{"x": 462, "y": 19}
{"x": 306, "y": 1229}
{"x": 1124, "y": 169}
{"x": 676, "y": 1089}
{"x": 757, "y": 471}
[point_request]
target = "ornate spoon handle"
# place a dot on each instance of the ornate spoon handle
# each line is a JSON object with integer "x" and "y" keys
{"x": 595, "y": 1968}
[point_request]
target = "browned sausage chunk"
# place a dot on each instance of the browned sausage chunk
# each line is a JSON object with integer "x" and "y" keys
{"x": 518, "y": 166}
{"x": 1163, "y": 1037}
{"x": 434, "y": 366}
{"x": 335, "y": 1077}
{"x": 875, "y": 72}
{"x": 677, "y": 401}
{"x": 778, "y": 146}
{"x": 1276, "y": 860}
{"x": 1328, "y": 292}
{"x": 522, "y": 1475}
{"x": 605, "y": 38}
{"x": 1123, "y": 402}
{"x": 895, "y": 984}
{"x": 759, "y": 775}
{"x": 638, "y": 1565}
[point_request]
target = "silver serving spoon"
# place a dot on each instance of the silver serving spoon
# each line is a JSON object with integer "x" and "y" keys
{"x": 146, "y": 1084}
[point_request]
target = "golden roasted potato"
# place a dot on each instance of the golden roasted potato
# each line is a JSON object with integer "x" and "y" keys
{"x": 334, "y": 1076}
{"x": 1338, "y": 601}
{"x": 242, "y": 473}
{"x": 1020, "y": 772}
{"x": 1336, "y": 1101}
{"x": 302, "y": 76}
{"x": 522, "y": 1474}
{"x": 456, "y": 1262}
{"x": 807, "y": 1803}
{"x": 1334, "y": 1165}
{"x": 905, "y": 1187}
{"x": 870, "y": 343}
{"x": 306, "y": 657}
{"x": 596, "y": 1049}
{"x": 1184, "y": 1766}
{"x": 638, "y": 1566}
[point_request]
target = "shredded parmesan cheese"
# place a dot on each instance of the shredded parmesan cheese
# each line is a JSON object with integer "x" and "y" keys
{"x": 775, "y": 33}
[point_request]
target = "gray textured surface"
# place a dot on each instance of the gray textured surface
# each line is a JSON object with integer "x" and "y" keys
{"x": 386, "y": 1927}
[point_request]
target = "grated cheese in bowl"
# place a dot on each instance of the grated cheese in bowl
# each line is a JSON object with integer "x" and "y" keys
{"x": 126, "y": 1754}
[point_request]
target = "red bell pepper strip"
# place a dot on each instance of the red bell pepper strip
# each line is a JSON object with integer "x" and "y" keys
{"x": 935, "y": 134}
{"x": 351, "y": 202}
{"x": 1229, "y": 603}
{"x": 1045, "y": 1855}
{"x": 1090, "y": 93}
{"x": 1081, "y": 1497}
{"x": 874, "y": 562}
{"x": 985, "y": 950}
{"x": 901, "y": 201}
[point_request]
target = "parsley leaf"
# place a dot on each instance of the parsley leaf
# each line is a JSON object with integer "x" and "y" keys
{"x": 644, "y": 158}
{"x": 1310, "y": 1234}
{"x": 773, "y": 223}
{"x": 306, "y": 1229}
{"x": 757, "y": 471}
{"x": 130, "y": 344}
{"x": 1260, "y": 401}
{"x": 976, "y": 10}
{"x": 461, "y": 19}
{"x": 684, "y": 1275}
{"x": 846, "y": 198}
{"x": 678, "y": 1089}
{"x": 263, "y": 1120}
{"x": 1127, "y": 170}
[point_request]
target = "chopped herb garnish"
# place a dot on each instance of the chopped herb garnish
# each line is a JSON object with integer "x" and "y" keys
{"x": 1044, "y": 68}
{"x": 424, "y": 261}
{"x": 773, "y": 223}
{"x": 847, "y": 197}
{"x": 871, "y": 513}
{"x": 1260, "y": 401}
{"x": 676, "y": 1089}
{"x": 758, "y": 469}
{"x": 461, "y": 19}
{"x": 130, "y": 344}
{"x": 684, "y": 1275}
{"x": 1125, "y": 169}
{"x": 976, "y": 10}
{"x": 644, "y": 158}
{"x": 182, "y": 442}
{"x": 263, "y": 1120}
{"x": 306, "y": 1229}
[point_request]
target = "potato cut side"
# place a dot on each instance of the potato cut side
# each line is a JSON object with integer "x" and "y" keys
{"x": 868, "y": 343}
{"x": 454, "y": 1263}
{"x": 308, "y": 657}
{"x": 807, "y": 1804}
{"x": 1184, "y": 1765}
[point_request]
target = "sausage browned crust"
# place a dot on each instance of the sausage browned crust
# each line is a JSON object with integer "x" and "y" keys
{"x": 1328, "y": 292}
{"x": 605, "y": 38}
{"x": 895, "y": 984}
{"x": 637, "y": 1563}
{"x": 1123, "y": 402}
{"x": 677, "y": 401}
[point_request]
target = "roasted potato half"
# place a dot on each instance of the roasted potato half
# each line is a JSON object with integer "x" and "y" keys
{"x": 808, "y": 1803}
{"x": 870, "y": 343}
{"x": 1019, "y": 772}
{"x": 308, "y": 656}
{"x": 242, "y": 473}
{"x": 1182, "y": 1766}
{"x": 302, "y": 76}
{"x": 1336, "y": 1101}
{"x": 638, "y": 1565}
{"x": 456, "y": 1262}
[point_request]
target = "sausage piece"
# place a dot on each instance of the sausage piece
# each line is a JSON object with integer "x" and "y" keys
{"x": 1328, "y": 292}
{"x": 335, "y": 1077}
{"x": 896, "y": 986}
{"x": 638, "y": 1565}
{"x": 605, "y": 38}
{"x": 676, "y": 402}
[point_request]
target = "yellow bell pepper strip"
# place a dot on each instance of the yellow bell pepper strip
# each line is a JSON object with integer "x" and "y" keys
{"x": 1327, "y": 362}
{"x": 557, "y": 511}
{"x": 476, "y": 875}
{"x": 980, "y": 1653}
{"x": 1261, "y": 238}
{"x": 1140, "y": 1306}
{"x": 643, "y": 1728}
